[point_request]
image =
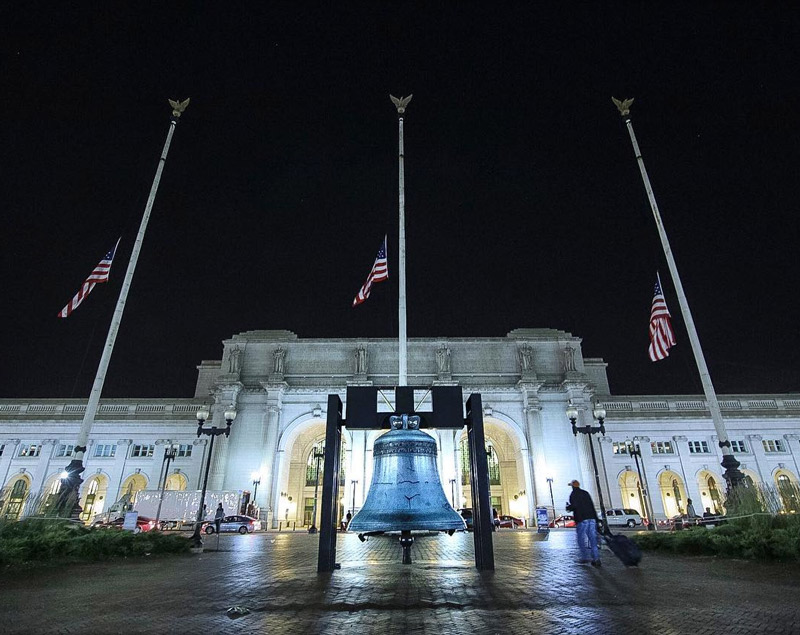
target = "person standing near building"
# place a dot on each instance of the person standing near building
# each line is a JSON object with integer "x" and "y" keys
{"x": 582, "y": 507}
{"x": 218, "y": 516}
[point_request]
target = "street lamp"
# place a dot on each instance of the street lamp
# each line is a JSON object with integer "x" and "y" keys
{"x": 170, "y": 452}
{"x": 552, "y": 500}
{"x": 313, "y": 529}
{"x": 256, "y": 476}
{"x": 636, "y": 452}
{"x": 213, "y": 431}
{"x": 599, "y": 414}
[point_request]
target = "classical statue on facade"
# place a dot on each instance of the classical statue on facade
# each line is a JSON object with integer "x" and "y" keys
{"x": 443, "y": 360}
{"x": 278, "y": 357}
{"x": 361, "y": 360}
{"x": 525, "y": 355}
{"x": 569, "y": 359}
{"x": 234, "y": 360}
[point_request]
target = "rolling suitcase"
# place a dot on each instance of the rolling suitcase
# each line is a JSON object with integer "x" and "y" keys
{"x": 624, "y": 548}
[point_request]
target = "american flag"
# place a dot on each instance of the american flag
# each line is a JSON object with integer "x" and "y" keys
{"x": 99, "y": 274}
{"x": 379, "y": 273}
{"x": 661, "y": 335}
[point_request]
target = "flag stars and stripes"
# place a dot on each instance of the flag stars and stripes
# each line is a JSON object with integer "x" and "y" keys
{"x": 662, "y": 337}
{"x": 99, "y": 275}
{"x": 379, "y": 273}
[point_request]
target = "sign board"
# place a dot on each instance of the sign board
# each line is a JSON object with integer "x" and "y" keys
{"x": 542, "y": 520}
{"x": 130, "y": 521}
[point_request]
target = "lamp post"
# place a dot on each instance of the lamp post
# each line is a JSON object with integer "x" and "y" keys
{"x": 170, "y": 452}
{"x": 636, "y": 452}
{"x": 552, "y": 500}
{"x": 256, "y": 476}
{"x": 213, "y": 431}
{"x": 599, "y": 414}
{"x": 313, "y": 529}
{"x": 353, "y": 508}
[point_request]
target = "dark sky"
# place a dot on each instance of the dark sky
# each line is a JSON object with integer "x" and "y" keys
{"x": 525, "y": 207}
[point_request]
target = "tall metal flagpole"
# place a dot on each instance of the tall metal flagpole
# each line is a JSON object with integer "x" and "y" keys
{"x": 732, "y": 474}
{"x": 72, "y": 482}
{"x": 402, "y": 357}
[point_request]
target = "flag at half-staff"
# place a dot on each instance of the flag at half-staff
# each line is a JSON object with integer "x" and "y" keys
{"x": 662, "y": 337}
{"x": 379, "y": 273}
{"x": 99, "y": 274}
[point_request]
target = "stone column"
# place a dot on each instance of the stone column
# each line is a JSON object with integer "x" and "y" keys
{"x": 757, "y": 449}
{"x": 789, "y": 438}
{"x": 682, "y": 450}
{"x": 449, "y": 466}
{"x": 225, "y": 395}
{"x": 9, "y": 452}
{"x": 268, "y": 465}
{"x": 123, "y": 449}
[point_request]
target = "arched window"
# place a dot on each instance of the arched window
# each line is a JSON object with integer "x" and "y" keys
{"x": 16, "y": 498}
{"x": 491, "y": 459}
{"x": 676, "y": 489}
{"x": 790, "y": 496}
{"x": 713, "y": 492}
{"x": 312, "y": 463}
{"x": 494, "y": 465}
{"x": 88, "y": 504}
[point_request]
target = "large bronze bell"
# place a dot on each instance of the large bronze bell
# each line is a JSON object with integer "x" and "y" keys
{"x": 406, "y": 493}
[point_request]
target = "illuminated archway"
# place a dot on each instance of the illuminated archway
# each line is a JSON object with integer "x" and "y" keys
{"x": 93, "y": 498}
{"x": 16, "y": 493}
{"x": 131, "y": 485}
{"x": 711, "y": 492}
{"x": 788, "y": 490}
{"x": 673, "y": 493}
{"x": 629, "y": 487}
{"x": 176, "y": 481}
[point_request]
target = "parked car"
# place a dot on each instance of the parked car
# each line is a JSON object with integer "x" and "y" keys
{"x": 466, "y": 514}
{"x": 510, "y": 522}
{"x": 242, "y": 524}
{"x": 623, "y": 517}
{"x": 143, "y": 523}
{"x": 563, "y": 521}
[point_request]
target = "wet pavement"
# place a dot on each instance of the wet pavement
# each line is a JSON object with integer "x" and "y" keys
{"x": 537, "y": 586}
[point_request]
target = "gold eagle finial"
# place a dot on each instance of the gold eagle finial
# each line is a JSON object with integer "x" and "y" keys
{"x": 178, "y": 106}
{"x": 623, "y": 106}
{"x": 400, "y": 103}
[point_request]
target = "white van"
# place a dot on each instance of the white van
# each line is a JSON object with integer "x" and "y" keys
{"x": 619, "y": 517}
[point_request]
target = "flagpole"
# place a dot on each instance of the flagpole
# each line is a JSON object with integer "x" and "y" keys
{"x": 71, "y": 484}
{"x": 732, "y": 474}
{"x": 402, "y": 378}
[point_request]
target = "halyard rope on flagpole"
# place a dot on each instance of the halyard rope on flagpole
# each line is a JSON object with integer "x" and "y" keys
{"x": 74, "y": 469}
{"x": 402, "y": 377}
{"x": 732, "y": 474}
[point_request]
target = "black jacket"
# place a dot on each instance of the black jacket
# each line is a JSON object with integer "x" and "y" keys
{"x": 581, "y": 505}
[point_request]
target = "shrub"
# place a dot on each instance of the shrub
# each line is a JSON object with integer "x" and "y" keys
{"x": 54, "y": 540}
{"x": 760, "y": 537}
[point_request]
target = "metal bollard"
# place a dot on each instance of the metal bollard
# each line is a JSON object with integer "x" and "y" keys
{"x": 280, "y": 525}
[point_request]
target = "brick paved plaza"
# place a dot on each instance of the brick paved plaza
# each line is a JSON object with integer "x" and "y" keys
{"x": 537, "y": 587}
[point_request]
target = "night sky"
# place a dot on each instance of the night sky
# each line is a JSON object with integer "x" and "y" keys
{"x": 525, "y": 207}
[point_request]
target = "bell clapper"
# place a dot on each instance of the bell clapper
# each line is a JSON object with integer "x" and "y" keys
{"x": 406, "y": 540}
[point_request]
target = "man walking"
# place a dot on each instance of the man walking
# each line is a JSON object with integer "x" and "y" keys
{"x": 582, "y": 508}
{"x": 218, "y": 517}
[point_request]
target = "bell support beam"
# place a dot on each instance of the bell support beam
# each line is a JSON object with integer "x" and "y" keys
{"x": 326, "y": 559}
{"x": 479, "y": 480}
{"x": 447, "y": 412}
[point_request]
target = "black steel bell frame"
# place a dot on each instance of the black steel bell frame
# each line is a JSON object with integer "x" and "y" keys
{"x": 362, "y": 414}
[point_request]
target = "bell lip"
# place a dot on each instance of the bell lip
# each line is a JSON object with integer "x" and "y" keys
{"x": 370, "y": 526}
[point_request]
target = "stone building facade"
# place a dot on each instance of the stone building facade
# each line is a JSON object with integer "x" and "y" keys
{"x": 279, "y": 384}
